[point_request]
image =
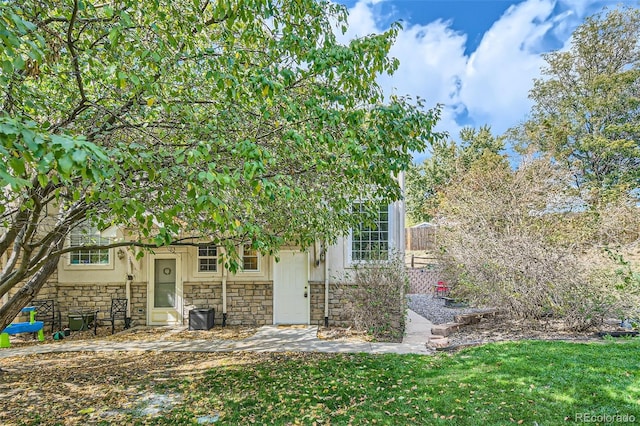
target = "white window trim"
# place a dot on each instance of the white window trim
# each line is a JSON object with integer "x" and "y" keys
{"x": 391, "y": 240}
{"x": 249, "y": 272}
{"x": 86, "y": 266}
{"x": 197, "y": 273}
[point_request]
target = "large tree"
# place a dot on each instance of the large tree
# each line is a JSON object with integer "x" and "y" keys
{"x": 448, "y": 161}
{"x": 230, "y": 122}
{"x": 587, "y": 106}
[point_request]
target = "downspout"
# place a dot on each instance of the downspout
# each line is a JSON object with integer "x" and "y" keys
{"x": 326, "y": 290}
{"x": 224, "y": 295}
{"x": 400, "y": 212}
{"x": 127, "y": 289}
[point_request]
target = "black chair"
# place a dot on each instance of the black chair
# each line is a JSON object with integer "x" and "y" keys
{"x": 118, "y": 310}
{"x": 47, "y": 313}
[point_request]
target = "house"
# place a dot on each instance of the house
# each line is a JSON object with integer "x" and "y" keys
{"x": 163, "y": 286}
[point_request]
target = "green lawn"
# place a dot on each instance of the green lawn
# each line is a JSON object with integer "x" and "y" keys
{"x": 523, "y": 383}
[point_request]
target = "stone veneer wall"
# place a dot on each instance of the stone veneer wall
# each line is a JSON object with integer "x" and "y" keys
{"x": 48, "y": 291}
{"x": 87, "y": 295}
{"x": 138, "y": 304}
{"x": 68, "y": 296}
{"x": 338, "y": 305}
{"x": 203, "y": 295}
{"x": 250, "y": 303}
{"x": 317, "y": 302}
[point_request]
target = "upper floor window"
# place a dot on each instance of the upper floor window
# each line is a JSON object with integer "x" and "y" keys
{"x": 207, "y": 258}
{"x": 370, "y": 239}
{"x": 250, "y": 259}
{"x": 87, "y": 235}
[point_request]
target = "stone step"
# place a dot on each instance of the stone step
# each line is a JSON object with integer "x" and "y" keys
{"x": 438, "y": 342}
{"x": 467, "y": 319}
{"x": 474, "y": 317}
{"x": 445, "y": 329}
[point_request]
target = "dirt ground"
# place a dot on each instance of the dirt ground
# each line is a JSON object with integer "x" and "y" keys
{"x": 82, "y": 388}
{"x": 139, "y": 333}
{"x": 502, "y": 329}
{"x": 79, "y": 388}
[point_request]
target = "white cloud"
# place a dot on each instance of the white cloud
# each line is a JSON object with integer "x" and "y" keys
{"x": 431, "y": 60}
{"x": 489, "y": 86}
{"x": 500, "y": 72}
{"x": 361, "y": 22}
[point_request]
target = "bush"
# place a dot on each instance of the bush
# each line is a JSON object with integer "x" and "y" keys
{"x": 375, "y": 297}
{"x": 522, "y": 242}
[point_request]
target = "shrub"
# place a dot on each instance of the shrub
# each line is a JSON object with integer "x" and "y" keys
{"x": 521, "y": 241}
{"x": 375, "y": 297}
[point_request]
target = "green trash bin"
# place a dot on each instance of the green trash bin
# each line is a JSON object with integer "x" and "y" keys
{"x": 75, "y": 322}
{"x": 79, "y": 322}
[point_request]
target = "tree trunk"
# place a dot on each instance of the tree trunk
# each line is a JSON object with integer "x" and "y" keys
{"x": 26, "y": 293}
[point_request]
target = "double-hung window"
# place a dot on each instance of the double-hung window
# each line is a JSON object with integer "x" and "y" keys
{"x": 370, "y": 238}
{"x": 250, "y": 259}
{"x": 84, "y": 236}
{"x": 207, "y": 258}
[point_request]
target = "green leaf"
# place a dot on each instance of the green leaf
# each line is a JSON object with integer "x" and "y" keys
{"x": 17, "y": 164}
{"x": 79, "y": 156}
{"x": 43, "y": 180}
{"x": 183, "y": 121}
{"x": 114, "y": 35}
{"x": 65, "y": 165}
{"x": 65, "y": 142}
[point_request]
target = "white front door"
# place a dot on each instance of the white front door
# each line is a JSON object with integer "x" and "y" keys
{"x": 164, "y": 292}
{"x": 291, "y": 288}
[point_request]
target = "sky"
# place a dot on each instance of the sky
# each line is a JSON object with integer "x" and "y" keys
{"x": 477, "y": 58}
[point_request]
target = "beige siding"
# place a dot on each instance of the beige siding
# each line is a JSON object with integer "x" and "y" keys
{"x": 249, "y": 294}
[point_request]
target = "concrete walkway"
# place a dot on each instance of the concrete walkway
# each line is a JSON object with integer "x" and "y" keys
{"x": 417, "y": 329}
{"x": 267, "y": 339}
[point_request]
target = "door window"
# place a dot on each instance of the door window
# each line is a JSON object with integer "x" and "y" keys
{"x": 164, "y": 287}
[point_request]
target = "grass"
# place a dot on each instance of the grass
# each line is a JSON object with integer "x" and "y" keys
{"x": 528, "y": 382}
{"x": 518, "y": 382}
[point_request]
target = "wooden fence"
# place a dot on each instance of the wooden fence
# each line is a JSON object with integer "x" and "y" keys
{"x": 420, "y": 238}
{"x": 429, "y": 262}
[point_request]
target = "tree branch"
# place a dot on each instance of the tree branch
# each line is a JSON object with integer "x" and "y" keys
{"x": 74, "y": 54}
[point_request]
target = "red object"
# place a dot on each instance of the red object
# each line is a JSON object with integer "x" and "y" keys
{"x": 441, "y": 289}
